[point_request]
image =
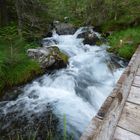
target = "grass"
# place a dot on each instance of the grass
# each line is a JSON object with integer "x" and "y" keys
{"x": 15, "y": 66}
{"x": 125, "y": 42}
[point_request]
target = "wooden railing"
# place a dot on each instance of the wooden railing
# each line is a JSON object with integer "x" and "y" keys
{"x": 103, "y": 125}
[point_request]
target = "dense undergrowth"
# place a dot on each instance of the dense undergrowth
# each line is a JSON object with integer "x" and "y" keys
{"x": 125, "y": 42}
{"x": 34, "y": 18}
{"x": 15, "y": 66}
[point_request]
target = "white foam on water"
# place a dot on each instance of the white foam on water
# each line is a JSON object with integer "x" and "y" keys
{"x": 77, "y": 91}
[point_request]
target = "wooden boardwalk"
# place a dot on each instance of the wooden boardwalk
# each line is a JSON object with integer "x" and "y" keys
{"x": 119, "y": 116}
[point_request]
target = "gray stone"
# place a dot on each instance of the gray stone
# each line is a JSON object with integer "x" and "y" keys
{"x": 64, "y": 28}
{"x": 50, "y": 57}
{"x": 90, "y": 37}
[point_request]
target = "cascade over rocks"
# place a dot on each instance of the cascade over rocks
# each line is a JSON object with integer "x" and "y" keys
{"x": 40, "y": 107}
{"x": 64, "y": 28}
{"x": 48, "y": 42}
{"x": 49, "y": 57}
{"x": 90, "y": 37}
{"x": 117, "y": 61}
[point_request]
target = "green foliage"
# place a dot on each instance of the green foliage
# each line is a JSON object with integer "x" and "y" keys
{"x": 9, "y": 31}
{"x": 15, "y": 66}
{"x": 65, "y": 129}
{"x": 35, "y": 16}
{"x": 113, "y": 14}
{"x": 126, "y": 51}
{"x": 73, "y": 9}
{"x": 125, "y": 42}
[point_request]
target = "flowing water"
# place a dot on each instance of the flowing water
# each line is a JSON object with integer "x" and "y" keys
{"x": 65, "y": 100}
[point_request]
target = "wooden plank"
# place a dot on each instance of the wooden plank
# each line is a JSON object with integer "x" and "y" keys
{"x": 121, "y": 134}
{"x": 138, "y": 72}
{"x": 134, "y": 95}
{"x": 122, "y": 78}
{"x": 130, "y": 118}
{"x": 137, "y": 81}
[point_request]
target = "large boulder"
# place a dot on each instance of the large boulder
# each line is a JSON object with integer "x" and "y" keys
{"x": 49, "y": 57}
{"x": 64, "y": 28}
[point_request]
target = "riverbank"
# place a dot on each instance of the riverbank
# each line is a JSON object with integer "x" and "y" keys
{"x": 51, "y": 104}
{"x": 33, "y": 20}
{"x": 15, "y": 66}
{"x": 124, "y": 42}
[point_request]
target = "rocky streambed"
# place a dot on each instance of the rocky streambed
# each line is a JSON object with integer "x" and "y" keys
{"x": 60, "y": 104}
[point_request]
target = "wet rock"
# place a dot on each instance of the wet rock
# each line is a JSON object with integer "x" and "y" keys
{"x": 117, "y": 61}
{"x": 36, "y": 126}
{"x": 64, "y": 28}
{"x": 90, "y": 37}
{"x": 84, "y": 32}
{"x": 48, "y": 42}
{"x": 49, "y": 57}
{"x": 49, "y": 34}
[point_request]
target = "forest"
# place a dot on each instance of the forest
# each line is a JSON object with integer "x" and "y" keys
{"x": 24, "y": 23}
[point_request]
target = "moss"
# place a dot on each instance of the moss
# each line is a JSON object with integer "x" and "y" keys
{"x": 63, "y": 57}
{"x": 60, "y": 55}
{"x": 99, "y": 42}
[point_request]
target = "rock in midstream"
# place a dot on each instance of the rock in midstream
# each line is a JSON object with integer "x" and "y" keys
{"x": 91, "y": 37}
{"x": 49, "y": 57}
{"x": 64, "y": 28}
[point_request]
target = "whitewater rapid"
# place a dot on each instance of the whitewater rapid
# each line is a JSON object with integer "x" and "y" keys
{"x": 75, "y": 93}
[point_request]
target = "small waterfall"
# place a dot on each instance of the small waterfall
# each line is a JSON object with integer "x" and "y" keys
{"x": 75, "y": 93}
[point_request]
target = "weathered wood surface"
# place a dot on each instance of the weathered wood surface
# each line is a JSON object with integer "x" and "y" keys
{"x": 122, "y": 134}
{"x": 111, "y": 110}
{"x": 137, "y": 81}
{"x": 138, "y": 72}
{"x": 92, "y": 128}
{"x": 134, "y": 95}
{"x": 130, "y": 118}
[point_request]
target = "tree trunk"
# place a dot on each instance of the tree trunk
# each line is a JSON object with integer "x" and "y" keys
{"x": 3, "y": 13}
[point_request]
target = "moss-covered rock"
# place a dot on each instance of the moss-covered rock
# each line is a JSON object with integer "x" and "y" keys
{"x": 49, "y": 57}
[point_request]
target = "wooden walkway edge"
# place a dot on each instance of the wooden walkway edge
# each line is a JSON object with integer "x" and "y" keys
{"x": 119, "y": 116}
